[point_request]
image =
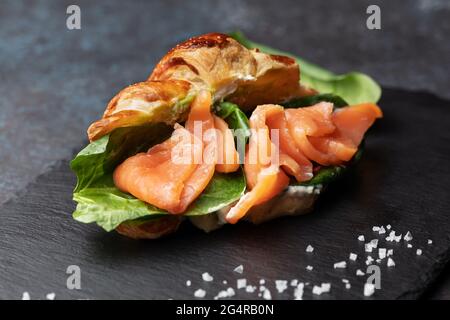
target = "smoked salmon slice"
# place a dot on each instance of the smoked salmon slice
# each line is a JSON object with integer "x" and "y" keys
{"x": 264, "y": 177}
{"x": 154, "y": 177}
{"x": 303, "y": 135}
{"x": 171, "y": 175}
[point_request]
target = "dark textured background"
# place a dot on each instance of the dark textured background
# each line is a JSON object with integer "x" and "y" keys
{"x": 54, "y": 82}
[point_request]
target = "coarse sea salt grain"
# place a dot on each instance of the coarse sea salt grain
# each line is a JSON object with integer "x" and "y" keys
{"x": 298, "y": 291}
{"x": 309, "y": 268}
{"x": 207, "y": 277}
{"x": 348, "y": 286}
{"x": 340, "y": 265}
{"x": 309, "y": 248}
{"x": 390, "y": 262}
{"x": 294, "y": 282}
{"x": 409, "y": 245}
{"x": 430, "y": 241}
{"x": 324, "y": 288}
{"x": 281, "y": 285}
{"x": 199, "y": 293}
{"x": 224, "y": 281}
{"x": 369, "y": 289}
{"x": 267, "y": 295}
{"x": 369, "y": 260}
{"x": 359, "y": 272}
{"x": 50, "y": 296}
{"x": 388, "y": 227}
{"x": 382, "y": 253}
{"x": 239, "y": 269}
{"x": 225, "y": 294}
{"x": 393, "y": 237}
{"x": 361, "y": 238}
{"x": 345, "y": 281}
{"x": 250, "y": 289}
{"x": 353, "y": 256}
{"x": 26, "y": 296}
{"x": 375, "y": 228}
{"x": 390, "y": 252}
{"x": 262, "y": 281}
{"x": 241, "y": 283}
{"x": 419, "y": 252}
{"x": 188, "y": 283}
{"x": 382, "y": 230}
{"x": 408, "y": 236}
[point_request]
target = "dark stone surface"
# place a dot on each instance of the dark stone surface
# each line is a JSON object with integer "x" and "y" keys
{"x": 392, "y": 184}
{"x": 55, "y": 81}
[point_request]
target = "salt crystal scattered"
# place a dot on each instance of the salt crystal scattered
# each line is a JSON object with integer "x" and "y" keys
{"x": 368, "y": 247}
{"x": 408, "y": 236}
{"x": 188, "y": 283}
{"x": 419, "y": 252}
{"x": 369, "y": 289}
{"x": 262, "y": 281}
{"x": 353, "y": 256}
{"x": 359, "y": 273}
{"x": 409, "y": 245}
{"x": 250, "y": 289}
{"x": 382, "y": 253}
{"x": 309, "y": 268}
{"x": 241, "y": 283}
{"x": 50, "y": 296}
{"x": 388, "y": 227}
{"x": 375, "y": 228}
{"x": 345, "y": 281}
{"x": 239, "y": 269}
{"x": 382, "y": 230}
{"x": 309, "y": 248}
{"x": 267, "y": 295}
{"x": 393, "y": 237}
{"x": 430, "y": 241}
{"x": 298, "y": 291}
{"x": 348, "y": 286}
{"x": 390, "y": 252}
{"x": 369, "y": 260}
{"x": 340, "y": 265}
{"x": 225, "y": 294}
{"x": 390, "y": 262}
{"x": 26, "y": 296}
{"x": 281, "y": 285}
{"x": 199, "y": 293}
{"x": 361, "y": 238}
{"x": 324, "y": 288}
{"x": 207, "y": 277}
{"x": 294, "y": 282}
{"x": 224, "y": 281}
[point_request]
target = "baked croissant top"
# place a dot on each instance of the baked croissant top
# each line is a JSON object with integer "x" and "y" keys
{"x": 215, "y": 62}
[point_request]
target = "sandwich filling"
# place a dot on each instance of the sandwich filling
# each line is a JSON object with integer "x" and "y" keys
{"x": 284, "y": 144}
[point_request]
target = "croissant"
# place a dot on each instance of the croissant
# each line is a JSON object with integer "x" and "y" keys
{"x": 217, "y": 66}
{"x": 214, "y": 62}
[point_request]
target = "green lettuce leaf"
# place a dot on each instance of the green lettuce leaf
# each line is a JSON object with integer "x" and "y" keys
{"x": 354, "y": 87}
{"x": 236, "y": 120}
{"x": 99, "y": 201}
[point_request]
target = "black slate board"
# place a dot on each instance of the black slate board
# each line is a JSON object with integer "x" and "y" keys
{"x": 401, "y": 180}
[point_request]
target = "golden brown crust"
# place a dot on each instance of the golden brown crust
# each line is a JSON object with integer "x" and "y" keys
{"x": 140, "y": 103}
{"x": 151, "y": 229}
{"x": 214, "y": 62}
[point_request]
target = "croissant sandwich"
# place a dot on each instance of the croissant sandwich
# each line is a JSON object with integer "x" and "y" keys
{"x": 218, "y": 133}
